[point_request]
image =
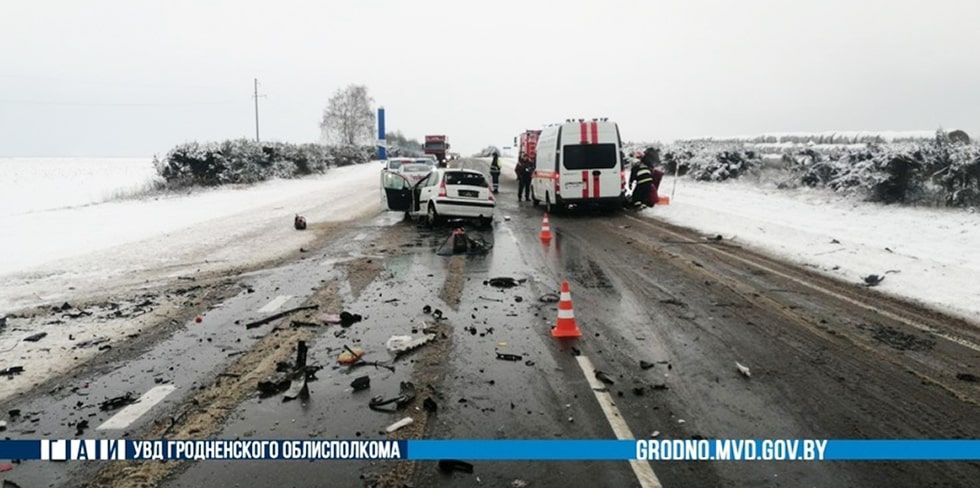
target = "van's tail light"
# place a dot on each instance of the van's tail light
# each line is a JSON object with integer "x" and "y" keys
{"x": 490, "y": 196}
{"x": 557, "y": 179}
{"x": 622, "y": 179}
{"x": 442, "y": 189}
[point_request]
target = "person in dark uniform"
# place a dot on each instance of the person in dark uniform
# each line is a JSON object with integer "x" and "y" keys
{"x": 495, "y": 171}
{"x": 642, "y": 178}
{"x": 525, "y": 171}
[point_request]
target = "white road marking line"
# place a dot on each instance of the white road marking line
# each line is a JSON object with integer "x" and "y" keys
{"x": 132, "y": 412}
{"x": 812, "y": 286}
{"x": 275, "y": 304}
{"x": 644, "y": 473}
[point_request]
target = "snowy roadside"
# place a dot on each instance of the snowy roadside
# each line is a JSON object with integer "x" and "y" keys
{"x": 925, "y": 254}
{"x": 81, "y": 279}
{"x": 52, "y": 255}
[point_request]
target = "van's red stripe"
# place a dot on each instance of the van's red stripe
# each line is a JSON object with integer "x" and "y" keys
{"x": 585, "y": 136}
{"x": 595, "y": 186}
{"x": 595, "y": 132}
{"x": 585, "y": 181}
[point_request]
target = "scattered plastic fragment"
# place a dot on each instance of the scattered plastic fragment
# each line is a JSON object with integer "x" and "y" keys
{"x": 519, "y": 483}
{"x": 329, "y": 318}
{"x": 603, "y": 377}
{"x": 645, "y": 365}
{"x": 655, "y": 433}
{"x": 405, "y": 396}
{"x": 348, "y": 319}
{"x": 427, "y": 309}
{"x": 504, "y": 282}
{"x": 429, "y": 405}
{"x": 361, "y": 383}
{"x": 4, "y": 467}
{"x": 549, "y": 298}
{"x": 350, "y": 355}
{"x": 742, "y": 369}
{"x": 260, "y": 322}
{"x": 299, "y": 222}
{"x": 300, "y": 390}
{"x": 450, "y": 465}
{"x": 873, "y": 280}
{"x": 503, "y": 356}
{"x": 273, "y": 385}
{"x": 117, "y": 402}
{"x": 36, "y": 337}
{"x": 397, "y": 425}
{"x": 401, "y": 344}
{"x": 970, "y": 378}
{"x": 80, "y": 427}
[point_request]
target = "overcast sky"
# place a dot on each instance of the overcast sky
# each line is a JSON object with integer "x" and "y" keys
{"x": 132, "y": 77}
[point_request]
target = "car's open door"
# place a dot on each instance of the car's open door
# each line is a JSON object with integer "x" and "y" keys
{"x": 397, "y": 191}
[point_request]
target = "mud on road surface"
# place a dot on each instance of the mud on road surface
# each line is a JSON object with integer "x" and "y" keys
{"x": 667, "y": 319}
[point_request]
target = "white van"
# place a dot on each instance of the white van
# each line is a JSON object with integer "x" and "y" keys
{"x": 579, "y": 163}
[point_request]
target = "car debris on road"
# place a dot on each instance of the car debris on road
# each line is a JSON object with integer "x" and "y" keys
{"x": 275, "y": 316}
{"x": 117, "y": 402}
{"x": 451, "y": 465}
{"x": 743, "y": 369}
{"x": 401, "y": 423}
{"x": 406, "y": 395}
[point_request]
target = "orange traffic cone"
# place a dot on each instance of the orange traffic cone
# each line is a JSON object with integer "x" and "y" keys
{"x": 566, "y": 326}
{"x": 545, "y": 229}
{"x": 663, "y": 200}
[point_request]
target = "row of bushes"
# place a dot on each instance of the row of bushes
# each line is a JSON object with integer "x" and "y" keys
{"x": 941, "y": 171}
{"x": 242, "y": 161}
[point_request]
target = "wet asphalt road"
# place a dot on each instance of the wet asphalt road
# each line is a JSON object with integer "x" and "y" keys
{"x": 827, "y": 360}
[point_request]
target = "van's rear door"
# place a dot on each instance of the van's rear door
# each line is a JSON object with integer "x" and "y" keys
{"x": 590, "y": 171}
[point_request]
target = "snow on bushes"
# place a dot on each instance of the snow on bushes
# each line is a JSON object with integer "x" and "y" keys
{"x": 938, "y": 171}
{"x": 709, "y": 162}
{"x": 243, "y": 161}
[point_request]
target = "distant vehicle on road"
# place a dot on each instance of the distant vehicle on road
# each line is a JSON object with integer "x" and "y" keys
{"x": 399, "y": 176}
{"x": 579, "y": 163}
{"x": 448, "y": 193}
{"x": 436, "y": 145}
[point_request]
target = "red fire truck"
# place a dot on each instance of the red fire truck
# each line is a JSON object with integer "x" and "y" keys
{"x": 527, "y": 145}
{"x": 437, "y": 146}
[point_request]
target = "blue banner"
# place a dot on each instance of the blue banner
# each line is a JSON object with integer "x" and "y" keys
{"x": 497, "y": 449}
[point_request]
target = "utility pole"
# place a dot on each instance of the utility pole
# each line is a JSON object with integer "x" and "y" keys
{"x": 256, "y": 97}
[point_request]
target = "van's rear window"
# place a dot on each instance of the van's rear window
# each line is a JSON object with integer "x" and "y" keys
{"x": 589, "y": 156}
{"x": 468, "y": 179}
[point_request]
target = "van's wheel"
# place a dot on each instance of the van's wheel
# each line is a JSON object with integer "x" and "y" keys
{"x": 548, "y": 207}
{"x": 432, "y": 217}
{"x": 534, "y": 199}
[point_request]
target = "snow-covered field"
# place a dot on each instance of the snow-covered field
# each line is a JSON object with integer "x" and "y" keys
{"x": 926, "y": 254}
{"x": 51, "y": 254}
{"x": 34, "y": 184}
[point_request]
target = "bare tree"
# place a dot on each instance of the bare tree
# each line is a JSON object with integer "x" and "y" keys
{"x": 349, "y": 117}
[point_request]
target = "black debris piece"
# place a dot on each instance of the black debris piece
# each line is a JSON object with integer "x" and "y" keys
{"x": 429, "y": 405}
{"x": 549, "y": 298}
{"x": 503, "y": 282}
{"x": 427, "y": 309}
{"x": 660, "y": 386}
{"x": 91, "y": 342}
{"x": 645, "y": 365}
{"x": 529, "y": 363}
{"x": 3, "y": 320}
{"x": 13, "y": 413}
{"x": 437, "y": 314}
{"x": 80, "y": 427}
{"x": 518, "y": 299}
{"x": 970, "y": 378}
{"x": 301, "y": 350}
{"x": 673, "y": 301}
{"x": 451, "y": 465}
{"x": 273, "y": 385}
{"x": 348, "y": 319}
{"x": 261, "y": 322}
{"x": 603, "y": 377}
{"x": 405, "y": 396}
{"x": 361, "y": 383}
{"x": 35, "y": 337}
{"x": 117, "y": 402}
{"x": 299, "y": 222}
{"x": 576, "y": 352}
{"x": 503, "y": 356}
{"x": 873, "y": 280}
